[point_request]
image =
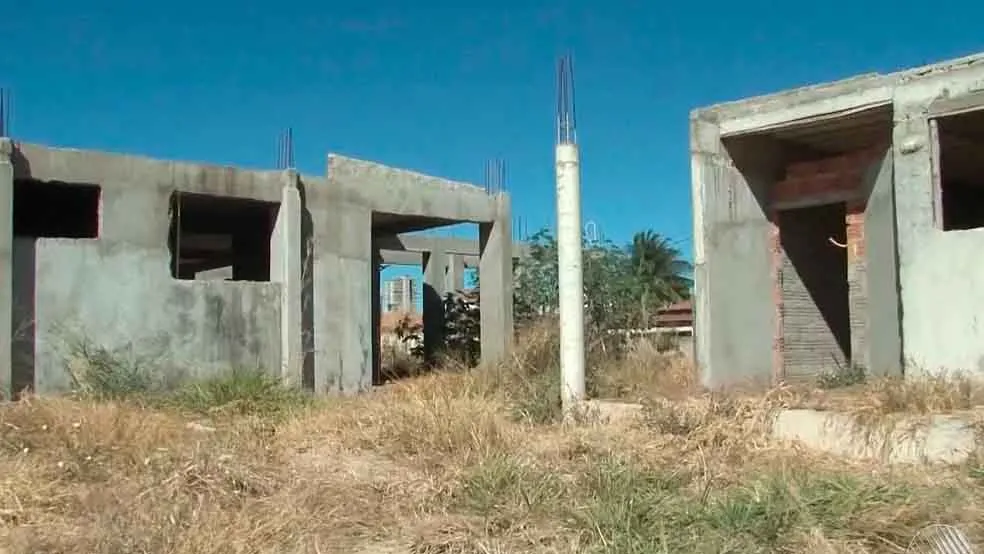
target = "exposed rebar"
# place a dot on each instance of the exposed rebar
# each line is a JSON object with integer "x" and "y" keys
{"x": 4, "y": 112}
{"x": 285, "y": 149}
{"x": 495, "y": 176}
{"x": 566, "y": 117}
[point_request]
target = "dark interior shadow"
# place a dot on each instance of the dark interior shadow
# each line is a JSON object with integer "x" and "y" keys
{"x": 307, "y": 290}
{"x": 821, "y": 266}
{"x": 433, "y": 321}
{"x": 376, "y": 313}
{"x": 23, "y": 316}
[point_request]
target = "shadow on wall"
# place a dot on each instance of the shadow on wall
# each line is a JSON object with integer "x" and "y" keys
{"x": 307, "y": 289}
{"x": 41, "y": 210}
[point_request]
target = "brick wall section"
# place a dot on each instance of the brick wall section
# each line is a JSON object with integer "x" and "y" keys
{"x": 775, "y": 247}
{"x": 818, "y": 179}
{"x": 816, "y": 313}
{"x": 857, "y": 282}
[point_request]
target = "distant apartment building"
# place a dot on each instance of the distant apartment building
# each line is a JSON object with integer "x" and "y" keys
{"x": 400, "y": 294}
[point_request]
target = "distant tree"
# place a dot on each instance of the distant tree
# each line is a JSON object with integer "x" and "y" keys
{"x": 660, "y": 273}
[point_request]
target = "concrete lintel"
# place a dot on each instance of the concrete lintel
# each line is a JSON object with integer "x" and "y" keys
{"x": 398, "y": 191}
{"x": 404, "y": 257}
{"x": 450, "y": 245}
{"x": 89, "y": 166}
{"x": 778, "y": 117}
{"x": 956, "y": 105}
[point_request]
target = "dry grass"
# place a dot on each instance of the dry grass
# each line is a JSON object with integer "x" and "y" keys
{"x": 453, "y": 462}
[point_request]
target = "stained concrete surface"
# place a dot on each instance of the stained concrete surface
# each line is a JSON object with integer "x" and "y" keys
{"x": 938, "y": 331}
{"x": 313, "y": 319}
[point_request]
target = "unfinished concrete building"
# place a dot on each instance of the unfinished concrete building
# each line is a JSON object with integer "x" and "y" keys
{"x": 841, "y": 225}
{"x": 122, "y": 252}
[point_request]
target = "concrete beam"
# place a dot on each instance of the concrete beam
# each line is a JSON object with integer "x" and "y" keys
{"x": 779, "y": 117}
{"x": 387, "y": 189}
{"x": 33, "y": 161}
{"x": 450, "y": 245}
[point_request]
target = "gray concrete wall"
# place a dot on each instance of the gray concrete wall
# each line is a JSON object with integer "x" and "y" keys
{"x": 942, "y": 285}
{"x": 116, "y": 291}
{"x": 883, "y": 332}
{"x": 118, "y": 297}
{"x": 734, "y": 320}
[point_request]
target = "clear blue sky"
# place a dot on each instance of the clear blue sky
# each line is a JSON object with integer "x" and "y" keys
{"x": 441, "y": 87}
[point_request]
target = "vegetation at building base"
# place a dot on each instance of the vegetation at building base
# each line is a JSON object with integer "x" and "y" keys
{"x": 456, "y": 461}
{"x": 460, "y": 460}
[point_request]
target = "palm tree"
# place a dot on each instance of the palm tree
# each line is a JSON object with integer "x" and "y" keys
{"x": 660, "y": 273}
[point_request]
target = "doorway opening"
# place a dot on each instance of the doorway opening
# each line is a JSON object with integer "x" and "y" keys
{"x": 814, "y": 290}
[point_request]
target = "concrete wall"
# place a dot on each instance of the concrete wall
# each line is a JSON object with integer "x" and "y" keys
{"x": 118, "y": 297}
{"x": 942, "y": 285}
{"x": 315, "y": 323}
{"x": 116, "y": 291}
{"x": 734, "y": 330}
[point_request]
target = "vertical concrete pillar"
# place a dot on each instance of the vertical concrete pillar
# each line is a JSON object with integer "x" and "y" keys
{"x": 495, "y": 279}
{"x": 342, "y": 297}
{"x": 286, "y": 251}
{"x": 856, "y": 283}
{"x": 734, "y": 334}
{"x": 455, "y": 274}
{"x": 884, "y": 338}
{"x": 434, "y": 290}
{"x": 377, "y": 313}
{"x": 6, "y": 265}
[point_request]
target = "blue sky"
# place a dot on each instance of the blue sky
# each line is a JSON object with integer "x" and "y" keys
{"x": 442, "y": 87}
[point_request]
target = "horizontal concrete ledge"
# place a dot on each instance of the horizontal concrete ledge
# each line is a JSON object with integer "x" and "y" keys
{"x": 450, "y": 245}
{"x": 940, "y": 439}
{"x": 403, "y": 257}
{"x": 946, "y": 439}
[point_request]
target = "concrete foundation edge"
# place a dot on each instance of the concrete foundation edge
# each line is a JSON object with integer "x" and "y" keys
{"x": 942, "y": 439}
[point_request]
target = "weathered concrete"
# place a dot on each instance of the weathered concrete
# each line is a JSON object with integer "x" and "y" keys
{"x": 938, "y": 439}
{"x": 7, "y": 384}
{"x": 313, "y": 323}
{"x": 943, "y": 439}
{"x": 434, "y": 290}
{"x": 286, "y": 260}
{"x": 495, "y": 275}
{"x": 909, "y": 259}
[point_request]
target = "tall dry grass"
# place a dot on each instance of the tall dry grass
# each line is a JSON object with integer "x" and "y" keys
{"x": 458, "y": 461}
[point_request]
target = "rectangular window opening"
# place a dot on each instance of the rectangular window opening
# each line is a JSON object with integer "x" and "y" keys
{"x": 50, "y": 209}
{"x": 220, "y": 238}
{"x": 960, "y": 170}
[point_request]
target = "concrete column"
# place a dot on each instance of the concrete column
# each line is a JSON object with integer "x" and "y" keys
{"x": 285, "y": 268}
{"x": 455, "y": 274}
{"x": 377, "y": 313}
{"x": 434, "y": 290}
{"x": 6, "y": 265}
{"x": 496, "y": 283}
{"x": 342, "y": 298}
